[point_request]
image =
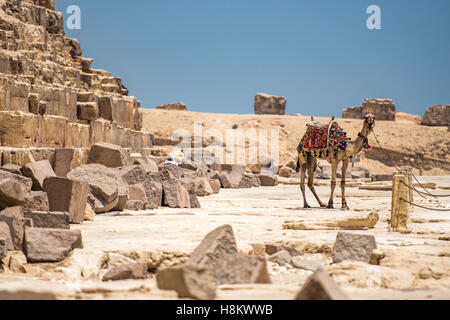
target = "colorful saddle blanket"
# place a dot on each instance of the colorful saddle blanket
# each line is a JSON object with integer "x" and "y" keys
{"x": 316, "y": 136}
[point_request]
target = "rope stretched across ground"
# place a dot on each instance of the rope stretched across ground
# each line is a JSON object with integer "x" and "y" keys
{"x": 423, "y": 207}
{"x": 415, "y": 178}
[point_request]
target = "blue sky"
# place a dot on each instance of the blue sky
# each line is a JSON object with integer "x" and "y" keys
{"x": 216, "y": 55}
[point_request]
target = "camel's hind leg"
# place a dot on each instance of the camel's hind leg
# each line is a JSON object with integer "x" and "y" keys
{"x": 302, "y": 163}
{"x": 344, "y": 172}
{"x": 312, "y": 166}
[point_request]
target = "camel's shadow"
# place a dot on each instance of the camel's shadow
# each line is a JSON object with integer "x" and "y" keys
{"x": 316, "y": 208}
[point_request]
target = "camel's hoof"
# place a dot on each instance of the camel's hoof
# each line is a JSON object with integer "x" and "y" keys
{"x": 306, "y": 206}
{"x": 330, "y": 206}
{"x": 322, "y": 205}
{"x": 346, "y": 208}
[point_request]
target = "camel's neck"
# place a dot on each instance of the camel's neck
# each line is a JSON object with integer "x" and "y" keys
{"x": 354, "y": 147}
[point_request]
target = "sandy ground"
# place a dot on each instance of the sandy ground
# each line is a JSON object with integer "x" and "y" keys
{"x": 402, "y": 136}
{"x": 417, "y": 265}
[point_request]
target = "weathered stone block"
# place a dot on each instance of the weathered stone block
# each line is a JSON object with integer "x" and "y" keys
{"x": 437, "y": 115}
{"x": 109, "y": 155}
{"x": 175, "y": 195}
{"x": 87, "y": 111}
{"x": 268, "y": 104}
{"x": 50, "y": 245}
{"x": 349, "y": 246}
{"x": 127, "y": 271}
{"x": 189, "y": 281}
{"x": 179, "y": 106}
{"x": 320, "y": 286}
{"x": 52, "y": 220}
{"x": 382, "y": 109}
{"x": 36, "y": 201}
{"x": 63, "y": 163}
{"x": 11, "y": 193}
{"x": 38, "y": 171}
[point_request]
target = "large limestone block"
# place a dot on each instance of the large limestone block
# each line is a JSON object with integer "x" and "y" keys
{"x": 38, "y": 171}
{"x": 77, "y": 136}
{"x": 65, "y": 195}
{"x": 269, "y": 104}
{"x": 109, "y": 155}
{"x": 5, "y": 234}
{"x": 50, "y": 245}
{"x": 18, "y": 157}
{"x": 18, "y": 129}
{"x": 87, "y": 111}
{"x": 189, "y": 281}
{"x": 25, "y": 183}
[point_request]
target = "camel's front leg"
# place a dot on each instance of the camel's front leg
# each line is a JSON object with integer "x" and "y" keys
{"x": 334, "y": 164}
{"x": 344, "y": 172}
{"x": 311, "y": 183}
{"x": 302, "y": 183}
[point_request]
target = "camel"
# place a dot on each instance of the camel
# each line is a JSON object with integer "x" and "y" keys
{"x": 307, "y": 161}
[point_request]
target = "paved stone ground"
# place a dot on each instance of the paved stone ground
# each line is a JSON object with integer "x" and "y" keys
{"x": 417, "y": 265}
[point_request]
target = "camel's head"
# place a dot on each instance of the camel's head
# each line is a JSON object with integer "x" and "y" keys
{"x": 370, "y": 120}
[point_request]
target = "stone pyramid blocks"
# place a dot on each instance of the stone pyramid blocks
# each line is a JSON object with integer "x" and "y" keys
{"x": 175, "y": 195}
{"x": 36, "y": 201}
{"x": 109, "y": 155}
{"x": 16, "y": 222}
{"x": 67, "y": 195}
{"x": 11, "y": 193}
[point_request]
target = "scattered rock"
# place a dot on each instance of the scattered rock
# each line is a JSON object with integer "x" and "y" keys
{"x": 11, "y": 193}
{"x": 349, "y": 246}
{"x": 14, "y": 218}
{"x": 281, "y": 257}
{"x": 376, "y": 256}
{"x": 66, "y": 195}
{"x": 63, "y": 162}
{"x": 189, "y": 281}
{"x": 268, "y": 180}
{"x": 215, "y": 185}
{"x": 437, "y": 115}
{"x": 286, "y": 172}
{"x": 195, "y": 204}
{"x": 175, "y": 195}
{"x": 89, "y": 214}
{"x": 24, "y": 182}
{"x": 135, "y": 205}
{"x": 38, "y": 171}
{"x": 5, "y": 235}
{"x": 17, "y": 262}
{"x": 50, "y": 245}
{"x": 11, "y": 168}
{"x": 3, "y": 248}
{"x": 36, "y": 201}
{"x": 126, "y": 271}
{"x": 202, "y": 187}
{"x": 272, "y": 248}
{"x": 320, "y": 286}
{"x": 300, "y": 263}
{"x": 109, "y": 155}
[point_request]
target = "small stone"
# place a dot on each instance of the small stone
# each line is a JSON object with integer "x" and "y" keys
{"x": 126, "y": 271}
{"x": 89, "y": 214}
{"x": 376, "y": 256}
